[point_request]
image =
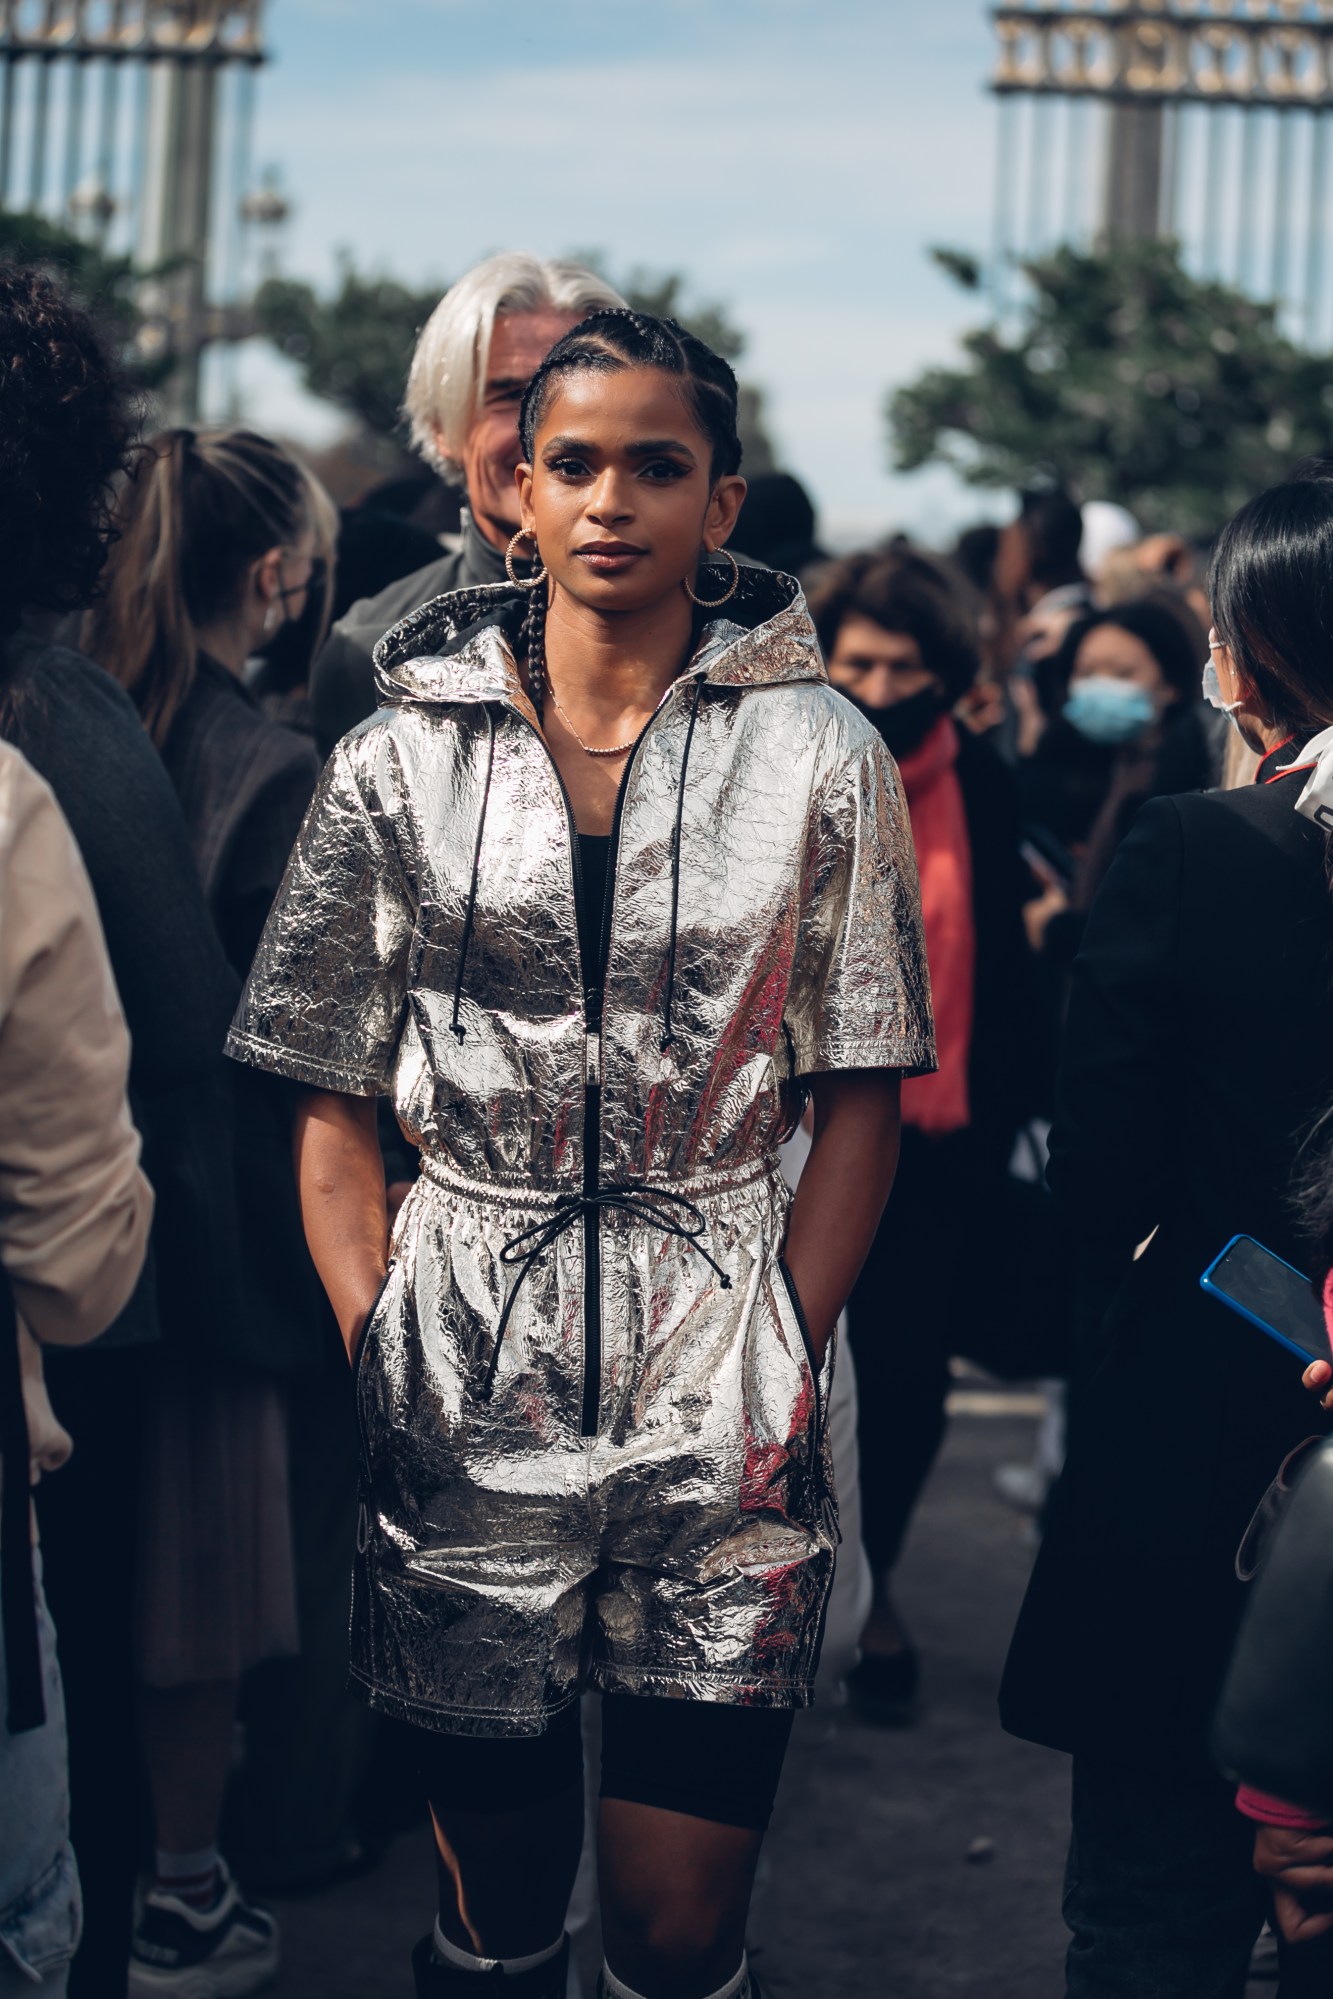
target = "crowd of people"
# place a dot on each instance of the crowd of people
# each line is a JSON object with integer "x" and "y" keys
{"x": 520, "y": 962}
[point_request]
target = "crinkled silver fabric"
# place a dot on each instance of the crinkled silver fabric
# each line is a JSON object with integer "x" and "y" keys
{"x": 630, "y": 1487}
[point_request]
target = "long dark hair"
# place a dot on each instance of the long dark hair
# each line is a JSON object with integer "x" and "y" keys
{"x": 1271, "y": 588}
{"x": 606, "y": 343}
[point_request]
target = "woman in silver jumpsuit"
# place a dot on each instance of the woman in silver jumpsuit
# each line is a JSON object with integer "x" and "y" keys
{"x": 592, "y": 1362}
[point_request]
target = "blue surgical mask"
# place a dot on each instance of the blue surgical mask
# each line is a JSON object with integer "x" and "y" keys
{"x": 1109, "y": 711}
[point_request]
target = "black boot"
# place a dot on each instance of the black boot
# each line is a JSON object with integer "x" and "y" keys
{"x": 446, "y": 1981}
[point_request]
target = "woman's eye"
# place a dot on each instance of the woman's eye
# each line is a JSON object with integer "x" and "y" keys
{"x": 661, "y": 470}
{"x": 567, "y": 468}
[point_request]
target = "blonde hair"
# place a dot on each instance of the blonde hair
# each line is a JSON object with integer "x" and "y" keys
{"x": 448, "y": 372}
{"x": 198, "y": 511}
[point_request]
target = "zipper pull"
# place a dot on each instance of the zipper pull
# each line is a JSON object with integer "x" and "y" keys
{"x": 592, "y": 1061}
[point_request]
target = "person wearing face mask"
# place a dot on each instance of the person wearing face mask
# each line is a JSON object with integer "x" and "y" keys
{"x": 1123, "y": 689}
{"x": 1197, "y": 1059}
{"x": 900, "y": 637}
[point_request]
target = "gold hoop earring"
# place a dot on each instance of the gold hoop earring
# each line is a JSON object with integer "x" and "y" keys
{"x": 517, "y": 581}
{"x": 711, "y": 603}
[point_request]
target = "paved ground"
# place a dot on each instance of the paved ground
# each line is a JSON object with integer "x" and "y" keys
{"x": 878, "y": 1827}
{"x": 869, "y": 1888}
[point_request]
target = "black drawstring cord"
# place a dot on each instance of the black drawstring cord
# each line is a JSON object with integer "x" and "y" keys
{"x": 668, "y": 1035}
{"x": 659, "y": 1207}
{"x": 466, "y": 943}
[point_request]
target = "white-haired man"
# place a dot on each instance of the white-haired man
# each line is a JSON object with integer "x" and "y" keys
{"x": 477, "y": 353}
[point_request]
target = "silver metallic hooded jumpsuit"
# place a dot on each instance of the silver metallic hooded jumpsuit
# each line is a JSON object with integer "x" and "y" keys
{"x": 592, "y": 1439}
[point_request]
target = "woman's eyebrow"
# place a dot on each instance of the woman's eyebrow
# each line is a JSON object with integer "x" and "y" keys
{"x": 653, "y": 447}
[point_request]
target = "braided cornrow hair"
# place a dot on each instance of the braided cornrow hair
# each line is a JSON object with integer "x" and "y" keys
{"x": 604, "y": 343}
{"x": 534, "y": 647}
{"x": 618, "y": 338}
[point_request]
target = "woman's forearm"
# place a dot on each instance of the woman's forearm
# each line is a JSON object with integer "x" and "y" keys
{"x": 340, "y": 1175}
{"x": 847, "y": 1178}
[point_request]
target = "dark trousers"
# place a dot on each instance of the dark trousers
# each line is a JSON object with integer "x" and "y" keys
{"x": 308, "y": 1741}
{"x": 902, "y": 1322}
{"x": 88, "y": 1514}
{"x": 1161, "y": 1897}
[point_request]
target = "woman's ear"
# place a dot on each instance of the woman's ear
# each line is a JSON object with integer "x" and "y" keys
{"x": 724, "y": 508}
{"x": 267, "y": 573}
{"x": 523, "y": 480}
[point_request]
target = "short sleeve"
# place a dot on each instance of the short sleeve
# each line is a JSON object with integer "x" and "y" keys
{"x": 860, "y": 990}
{"x": 326, "y": 996}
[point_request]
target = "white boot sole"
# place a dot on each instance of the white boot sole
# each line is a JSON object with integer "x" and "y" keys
{"x": 234, "y": 1980}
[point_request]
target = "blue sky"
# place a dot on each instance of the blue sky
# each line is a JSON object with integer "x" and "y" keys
{"x": 795, "y": 157}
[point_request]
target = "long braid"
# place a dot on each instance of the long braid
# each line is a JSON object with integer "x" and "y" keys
{"x": 534, "y": 647}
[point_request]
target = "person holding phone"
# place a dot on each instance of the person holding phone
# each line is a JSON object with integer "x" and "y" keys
{"x": 1294, "y": 1846}
{"x": 1197, "y": 1054}
{"x": 613, "y": 881}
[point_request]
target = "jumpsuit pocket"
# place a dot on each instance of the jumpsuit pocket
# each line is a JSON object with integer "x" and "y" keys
{"x": 358, "y": 1392}
{"x": 825, "y": 1500}
{"x": 803, "y": 1328}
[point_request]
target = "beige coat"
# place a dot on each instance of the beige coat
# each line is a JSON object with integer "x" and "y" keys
{"x": 74, "y": 1205}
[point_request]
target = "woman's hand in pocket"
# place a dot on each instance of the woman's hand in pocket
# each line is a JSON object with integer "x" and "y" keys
{"x": 340, "y": 1177}
{"x": 842, "y": 1192}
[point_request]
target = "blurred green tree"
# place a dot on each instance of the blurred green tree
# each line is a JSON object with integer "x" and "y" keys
{"x": 353, "y": 346}
{"x": 108, "y": 286}
{"x": 1128, "y": 379}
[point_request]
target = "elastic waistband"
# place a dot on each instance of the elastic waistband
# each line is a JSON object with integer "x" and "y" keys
{"x": 527, "y": 1194}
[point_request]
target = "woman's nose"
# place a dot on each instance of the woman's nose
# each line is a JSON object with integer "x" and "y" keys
{"x": 609, "y": 500}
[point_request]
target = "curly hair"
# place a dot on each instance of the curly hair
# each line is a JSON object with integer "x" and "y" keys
{"x": 68, "y": 422}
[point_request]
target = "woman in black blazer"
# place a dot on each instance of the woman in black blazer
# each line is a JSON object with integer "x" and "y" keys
{"x": 1199, "y": 1052}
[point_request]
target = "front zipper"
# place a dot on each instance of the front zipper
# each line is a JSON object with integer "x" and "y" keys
{"x": 592, "y": 1072}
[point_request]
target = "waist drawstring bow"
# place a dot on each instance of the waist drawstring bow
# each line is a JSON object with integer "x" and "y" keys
{"x": 660, "y": 1207}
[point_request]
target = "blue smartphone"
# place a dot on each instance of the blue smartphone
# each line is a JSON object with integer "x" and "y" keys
{"x": 1272, "y": 1295}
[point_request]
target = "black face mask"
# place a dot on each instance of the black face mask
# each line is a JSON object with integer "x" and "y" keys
{"x": 905, "y": 726}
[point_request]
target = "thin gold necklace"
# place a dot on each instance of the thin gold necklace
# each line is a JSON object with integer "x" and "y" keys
{"x": 615, "y": 749}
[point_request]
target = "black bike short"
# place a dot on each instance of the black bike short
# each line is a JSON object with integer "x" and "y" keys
{"x": 702, "y": 1758}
